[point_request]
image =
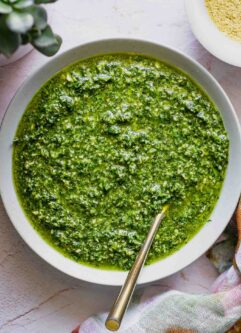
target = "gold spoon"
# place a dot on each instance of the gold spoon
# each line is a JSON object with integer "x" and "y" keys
{"x": 118, "y": 310}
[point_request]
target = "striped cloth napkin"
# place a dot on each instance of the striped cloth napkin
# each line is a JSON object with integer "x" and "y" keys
{"x": 178, "y": 312}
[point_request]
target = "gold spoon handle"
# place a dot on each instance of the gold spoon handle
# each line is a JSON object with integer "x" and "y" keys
{"x": 118, "y": 310}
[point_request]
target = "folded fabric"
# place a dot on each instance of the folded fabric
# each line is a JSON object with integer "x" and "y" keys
{"x": 178, "y": 312}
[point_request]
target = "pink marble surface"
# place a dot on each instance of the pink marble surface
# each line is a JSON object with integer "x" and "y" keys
{"x": 35, "y": 297}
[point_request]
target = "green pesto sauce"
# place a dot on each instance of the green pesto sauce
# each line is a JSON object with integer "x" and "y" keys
{"x": 108, "y": 141}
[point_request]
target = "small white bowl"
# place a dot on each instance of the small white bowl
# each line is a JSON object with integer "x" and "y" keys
{"x": 225, "y": 205}
{"x": 205, "y": 30}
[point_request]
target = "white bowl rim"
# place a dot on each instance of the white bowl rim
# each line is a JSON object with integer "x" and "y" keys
{"x": 197, "y": 246}
{"x": 214, "y": 40}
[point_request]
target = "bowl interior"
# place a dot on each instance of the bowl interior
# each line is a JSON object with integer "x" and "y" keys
{"x": 197, "y": 245}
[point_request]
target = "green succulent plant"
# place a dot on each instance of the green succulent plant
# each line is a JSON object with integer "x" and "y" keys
{"x": 23, "y": 22}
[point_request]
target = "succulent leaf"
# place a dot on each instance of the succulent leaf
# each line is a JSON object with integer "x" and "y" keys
{"x": 44, "y": 1}
{"x": 40, "y": 17}
{"x": 46, "y": 39}
{"x": 20, "y": 21}
{"x": 9, "y": 41}
{"x": 51, "y": 49}
{"x": 21, "y": 4}
{"x": 5, "y": 8}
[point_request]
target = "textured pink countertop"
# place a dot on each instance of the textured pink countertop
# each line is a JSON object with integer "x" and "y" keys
{"x": 34, "y": 297}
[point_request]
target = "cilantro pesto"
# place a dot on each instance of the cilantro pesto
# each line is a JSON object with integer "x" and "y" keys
{"x": 108, "y": 141}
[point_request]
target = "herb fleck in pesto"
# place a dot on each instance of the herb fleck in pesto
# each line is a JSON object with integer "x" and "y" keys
{"x": 104, "y": 144}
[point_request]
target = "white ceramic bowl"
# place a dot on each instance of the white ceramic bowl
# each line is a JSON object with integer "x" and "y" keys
{"x": 223, "y": 210}
{"x": 205, "y": 30}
